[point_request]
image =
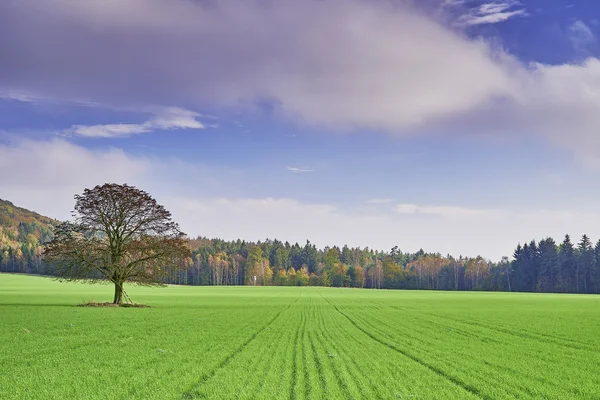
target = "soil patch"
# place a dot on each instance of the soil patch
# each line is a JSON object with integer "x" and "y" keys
{"x": 96, "y": 304}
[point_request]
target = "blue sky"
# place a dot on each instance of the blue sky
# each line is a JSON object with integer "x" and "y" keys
{"x": 462, "y": 127}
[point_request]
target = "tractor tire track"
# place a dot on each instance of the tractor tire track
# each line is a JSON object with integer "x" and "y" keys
{"x": 352, "y": 359}
{"x": 337, "y": 372}
{"x": 305, "y": 358}
{"x": 349, "y": 365}
{"x": 526, "y": 335}
{"x": 469, "y": 388}
{"x": 319, "y": 365}
{"x": 515, "y": 373}
{"x": 194, "y": 391}
{"x": 296, "y": 358}
{"x": 542, "y": 337}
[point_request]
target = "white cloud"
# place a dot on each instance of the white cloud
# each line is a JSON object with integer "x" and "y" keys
{"x": 461, "y": 231}
{"x": 492, "y": 13}
{"x": 377, "y": 66}
{"x": 107, "y": 131}
{"x": 453, "y": 3}
{"x": 299, "y": 170}
{"x": 344, "y": 64}
{"x": 169, "y": 118}
{"x": 581, "y": 35}
{"x": 449, "y": 212}
{"x": 44, "y": 176}
{"x": 562, "y": 103}
{"x": 379, "y": 201}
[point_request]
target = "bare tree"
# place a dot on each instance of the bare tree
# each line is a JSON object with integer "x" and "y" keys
{"x": 119, "y": 234}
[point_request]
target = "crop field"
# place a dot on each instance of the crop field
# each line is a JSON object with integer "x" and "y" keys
{"x": 294, "y": 343}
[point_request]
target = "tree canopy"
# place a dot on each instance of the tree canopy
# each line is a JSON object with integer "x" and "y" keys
{"x": 118, "y": 234}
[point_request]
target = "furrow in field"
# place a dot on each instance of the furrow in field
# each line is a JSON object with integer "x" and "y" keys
{"x": 455, "y": 380}
{"x": 351, "y": 350}
{"x": 282, "y": 361}
{"x": 536, "y": 336}
{"x": 444, "y": 352}
{"x": 297, "y": 386}
{"x": 344, "y": 384}
{"x": 263, "y": 362}
{"x": 350, "y": 362}
{"x": 510, "y": 334}
{"x": 513, "y": 330}
{"x": 194, "y": 392}
{"x": 157, "y": 373}
{"x": 317, "y": 359}
{"x": 348, "y": 350}
{"x": 413, "y": 382}
{"x": 467, "y": 356}
{"x": 500, "y": 368}
{"x": 396, "y": 374}
{"x": 525, "y": 334}
{"x": 213, "y": 353}
{"x": 263, "y": 369}
{"x": 311, "y": 380}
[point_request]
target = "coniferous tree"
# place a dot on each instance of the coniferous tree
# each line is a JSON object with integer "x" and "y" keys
{"x": 311, "y": 257}
{"x": 584, "y": 265}
{"x": 596, "y": 270}
{"x": 549, "y": 265}
{"x": 567, "y": 265}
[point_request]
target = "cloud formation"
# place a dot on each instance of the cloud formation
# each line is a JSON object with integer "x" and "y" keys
{"x": 379, "y": 201}
{"x": 56, "y": 169}
{"x": 449, "y": 212}
{"x": 342, "y": 64}
{"x": 166, "y": 119}
{"x": 493, "y": 13}
{"x": 377, "y": 66}
{"x": 581, "y": 35}
{"x": 453, "y": 230}
{"x": 36, "y": 171}
{"x": 299, "y": 170}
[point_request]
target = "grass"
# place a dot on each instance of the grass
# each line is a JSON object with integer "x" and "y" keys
{"x": 294, "y": 343}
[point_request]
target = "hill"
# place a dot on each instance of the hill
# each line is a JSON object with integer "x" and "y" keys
{"x": 22, "y": 233}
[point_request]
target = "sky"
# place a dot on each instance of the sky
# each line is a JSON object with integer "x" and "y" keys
{"x": 462, "y": 127}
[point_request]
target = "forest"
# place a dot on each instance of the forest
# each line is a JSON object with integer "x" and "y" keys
{"x": 537, "y": 266}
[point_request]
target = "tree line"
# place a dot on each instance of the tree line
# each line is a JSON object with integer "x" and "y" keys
{"x": 22, "y": 237}
{"x": 543, "y": 266}
{"x": 536, "y": 266}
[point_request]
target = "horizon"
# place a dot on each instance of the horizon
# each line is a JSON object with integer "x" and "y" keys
{"x": 453, "y": 126}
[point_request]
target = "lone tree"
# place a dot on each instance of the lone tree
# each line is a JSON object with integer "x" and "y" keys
{"x": 119, "y": 234}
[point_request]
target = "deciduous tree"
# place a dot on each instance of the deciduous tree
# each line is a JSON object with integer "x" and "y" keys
{"x": 119, "y": 234}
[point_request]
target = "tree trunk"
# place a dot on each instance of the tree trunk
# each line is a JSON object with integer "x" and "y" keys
{"x": 118, "y": 299}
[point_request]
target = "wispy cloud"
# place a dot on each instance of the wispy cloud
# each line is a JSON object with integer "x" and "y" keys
{"x": 458, "y": 233}
{"x": 450, "y": 212}
{"x": 379, "y": 201}
{"x": 581, "y": 35}
{"x": 299, "y": 170}
{"x": 492, "y": 13}
{"x": 453, "y": 3}
{"x": 165, "y": 119}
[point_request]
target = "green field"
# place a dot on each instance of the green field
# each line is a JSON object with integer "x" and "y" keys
{"x": 280, "y": 343}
